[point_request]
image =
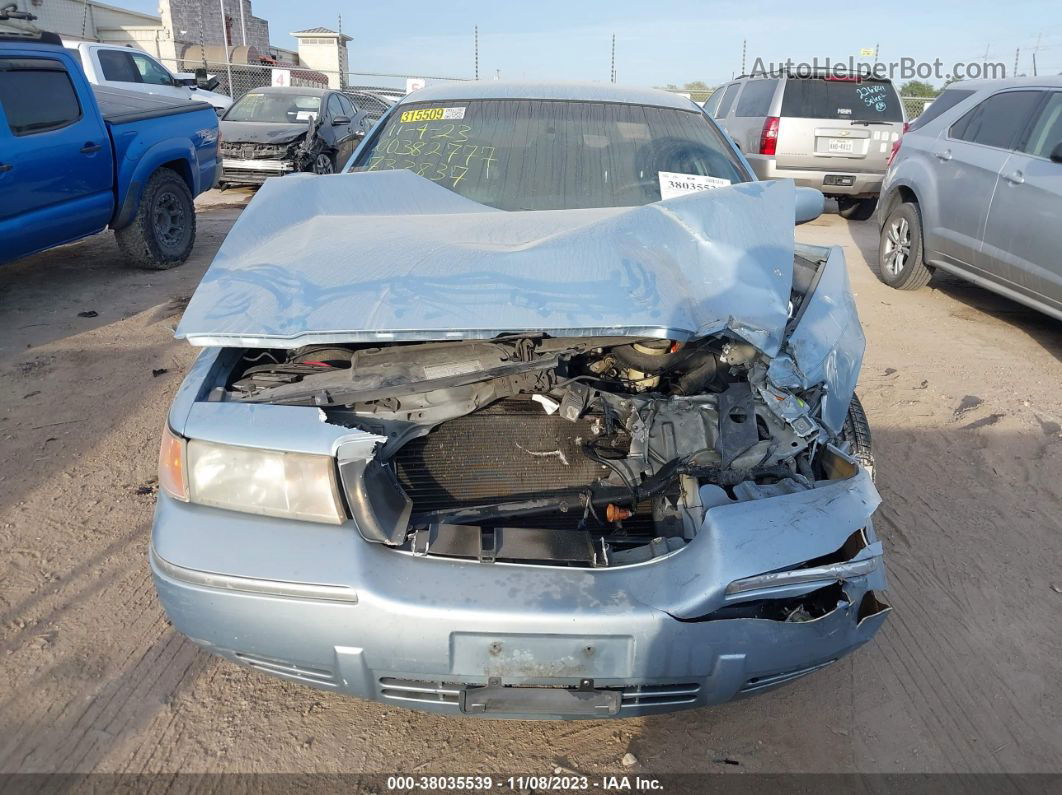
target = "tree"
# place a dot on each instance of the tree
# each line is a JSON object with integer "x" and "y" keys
{"x": 696, "y": 85}
{"x": 917, "y": 88}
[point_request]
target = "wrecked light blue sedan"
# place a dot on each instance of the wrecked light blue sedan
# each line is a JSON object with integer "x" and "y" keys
{"x": 536, "y": 412}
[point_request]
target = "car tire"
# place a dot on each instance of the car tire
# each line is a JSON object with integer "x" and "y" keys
{"x": 325, "y": 163}
{"x": 856, "y": 209}
{"x": 900, "y": 262}
{"x": 162, "y": 233}
{"x": 856, "y": 432}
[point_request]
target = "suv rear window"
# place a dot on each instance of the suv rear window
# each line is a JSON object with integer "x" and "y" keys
{"x": 756, "y": 98}
{"x": 517, "y": 154}
{"x": 851, "y": 100}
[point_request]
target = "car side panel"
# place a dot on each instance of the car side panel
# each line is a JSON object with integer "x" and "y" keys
{"x": 1022, "y": 237}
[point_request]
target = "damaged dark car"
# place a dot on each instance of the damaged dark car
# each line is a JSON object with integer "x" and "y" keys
{"x": 272, "y": 132}
{"x": 538, "y": 413}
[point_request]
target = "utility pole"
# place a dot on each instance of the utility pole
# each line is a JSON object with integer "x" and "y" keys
{"x": 1017, "y": 55}
{"x": 876, "y": 54}
{"x": 225, "y": 39}
{"x": 1036, "y": 49}
{"x": 613, "y": 73}
{"x": 243, "y": 24}
{"x": 744, "y": 43}
{"x": 475, "y": 34}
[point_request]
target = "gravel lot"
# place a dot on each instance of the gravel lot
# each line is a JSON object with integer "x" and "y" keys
{"x": 962, "y": 390}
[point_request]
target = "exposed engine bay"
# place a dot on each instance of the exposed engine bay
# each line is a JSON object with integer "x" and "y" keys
{"x": 588, "y": 451}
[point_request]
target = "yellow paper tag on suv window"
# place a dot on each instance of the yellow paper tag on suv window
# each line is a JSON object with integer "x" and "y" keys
{"x": 432, "y": 114}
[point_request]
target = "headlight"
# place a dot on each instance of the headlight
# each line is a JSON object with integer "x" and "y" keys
{"x": 267, "y": 482}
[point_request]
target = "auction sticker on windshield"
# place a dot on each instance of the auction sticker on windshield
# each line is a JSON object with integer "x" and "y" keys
{"x": 432, "y": 114}
{"x": 672, "y": 185}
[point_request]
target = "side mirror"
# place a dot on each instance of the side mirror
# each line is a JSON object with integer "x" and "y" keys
{"x": 339, "y": 121}
{"x": 1056, "y": 153}
{"x": 809, "y": 204}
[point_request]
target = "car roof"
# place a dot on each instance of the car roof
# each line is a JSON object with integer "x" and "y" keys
{"x": 299, "y": 90}
{"x": 577, "y": 92}
{"x": 1043, "y": 81}
{"x": 811, "y": 74}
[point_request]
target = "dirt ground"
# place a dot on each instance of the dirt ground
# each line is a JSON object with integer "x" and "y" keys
{"x": 963, "y": 393}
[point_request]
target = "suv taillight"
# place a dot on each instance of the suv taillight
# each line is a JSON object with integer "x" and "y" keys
{"x": 769, "y": 136}
{"x": 896, "y": 145}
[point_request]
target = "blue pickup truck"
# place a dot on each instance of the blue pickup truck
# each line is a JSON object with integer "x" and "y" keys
{"x": 76, "y": 159}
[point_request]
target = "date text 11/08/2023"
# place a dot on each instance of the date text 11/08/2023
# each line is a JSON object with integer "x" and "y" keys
{"x": 556, "y": 783}
{"x": 441, "y": 151}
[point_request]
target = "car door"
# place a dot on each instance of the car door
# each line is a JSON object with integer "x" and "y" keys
{"x": 1023, "y": 236}
{"x": 967, "y": 161}
{"x": 55, "y": 157}
{"x": 340, "y": 124}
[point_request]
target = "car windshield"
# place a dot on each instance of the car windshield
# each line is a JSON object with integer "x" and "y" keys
{"x": 851, "y": 100}
{"x": 277, "y": 108}
{"x": 553, "y": 155}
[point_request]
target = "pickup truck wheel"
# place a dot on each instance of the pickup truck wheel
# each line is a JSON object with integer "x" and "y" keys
{"x": 324, "y": 164}
{"x": 163, "y": 231}
{"x": 856, "y": 432}
{"x": 900, "y": 262}
{"x": 856, "y": 209}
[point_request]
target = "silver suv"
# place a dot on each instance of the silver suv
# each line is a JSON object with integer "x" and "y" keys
{"x": 822, "y": 131}
{"x": 976, "y": 190}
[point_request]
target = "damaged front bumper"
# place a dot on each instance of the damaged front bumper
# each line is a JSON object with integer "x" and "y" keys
{"x": 254, "y": 172}
{"x": 321, "y": 606}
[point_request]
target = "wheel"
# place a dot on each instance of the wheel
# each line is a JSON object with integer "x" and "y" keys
{"x": 900, "y": 262}
{"x": 325, "y": 163}
{"x": 163, "y": 231}
{"x": 856, "y": 209}
{"x": 856, "y": 432}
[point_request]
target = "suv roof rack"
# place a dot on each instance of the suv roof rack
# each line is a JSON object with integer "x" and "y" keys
{"x": 813, "y": 73}
{"x": 23, "y": 29}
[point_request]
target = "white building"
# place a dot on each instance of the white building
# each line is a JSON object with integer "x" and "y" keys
{"x": 326, "y": 51}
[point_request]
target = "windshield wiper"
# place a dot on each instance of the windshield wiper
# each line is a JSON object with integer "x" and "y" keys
{"x": 868, "y": 123}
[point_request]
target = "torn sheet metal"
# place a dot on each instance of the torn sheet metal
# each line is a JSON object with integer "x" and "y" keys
{"x": 827, "y": 345}
{"x": 390, "y": 255}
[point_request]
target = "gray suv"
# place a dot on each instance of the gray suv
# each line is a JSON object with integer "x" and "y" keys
{"x": 822, "y": 131}
{"x": 976, "y": 189}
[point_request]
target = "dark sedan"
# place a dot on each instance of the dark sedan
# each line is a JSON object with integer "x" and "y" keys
{"x": 275, "y": 131}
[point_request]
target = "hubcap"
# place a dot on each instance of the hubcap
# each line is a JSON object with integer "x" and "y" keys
{"x": 323, "y": 165}
{"x": 168, "y": 219}
{"x": 896, "y": 250}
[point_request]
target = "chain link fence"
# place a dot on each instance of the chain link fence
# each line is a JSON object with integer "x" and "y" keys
{"x": 237, "y": 79}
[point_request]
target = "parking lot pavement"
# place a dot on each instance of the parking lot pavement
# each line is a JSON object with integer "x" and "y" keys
{"x": 962, "y": 390}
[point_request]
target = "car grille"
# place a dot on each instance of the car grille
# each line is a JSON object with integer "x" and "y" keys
{"x": 666, "y": 695}
{"x": 289, "y": 670}
{"x": 252, "y": 152}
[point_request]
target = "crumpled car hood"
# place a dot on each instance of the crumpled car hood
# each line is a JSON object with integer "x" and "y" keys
{"x": 390, "y": 255}
{"x": 253, "y": 132}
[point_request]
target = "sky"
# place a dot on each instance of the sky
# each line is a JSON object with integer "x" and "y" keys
{"x": 668, "y": 41}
